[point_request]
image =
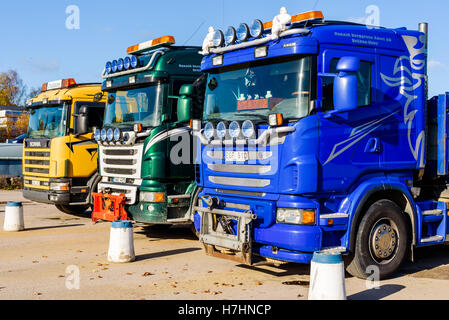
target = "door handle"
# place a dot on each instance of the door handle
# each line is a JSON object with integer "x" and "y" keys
{"x": 373, "y": 146}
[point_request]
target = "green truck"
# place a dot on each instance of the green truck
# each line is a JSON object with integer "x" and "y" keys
{"x": 145, "y": 146}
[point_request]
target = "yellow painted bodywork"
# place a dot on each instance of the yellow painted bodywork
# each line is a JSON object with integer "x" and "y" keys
{"x": 60, "y": 160}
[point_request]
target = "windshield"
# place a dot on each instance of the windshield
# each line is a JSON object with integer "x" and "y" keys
{"x": 47, "y": 122}
{"x": 142, "y": 105}
{"x": 253, "y": 91}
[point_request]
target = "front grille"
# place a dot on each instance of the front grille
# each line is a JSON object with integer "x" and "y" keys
{"x": 37, "y": 170}
{"x": 120, "y": 162}
{"x": 120, "y": 171}
{"x": 120, "y": 152}
{"x": 38, "y": 162}
{"x": 37, "y": 154}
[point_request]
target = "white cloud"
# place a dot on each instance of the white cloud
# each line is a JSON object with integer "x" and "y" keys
{"x": 41, "y": 65}
{"x": 361, "y": 20}
{"x": 434, "y": 64}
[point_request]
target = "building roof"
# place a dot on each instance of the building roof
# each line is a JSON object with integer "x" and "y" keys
{"x": 11, "y": 108}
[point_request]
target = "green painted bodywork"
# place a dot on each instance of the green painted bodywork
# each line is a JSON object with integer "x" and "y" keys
{"x": 179, "y": 65}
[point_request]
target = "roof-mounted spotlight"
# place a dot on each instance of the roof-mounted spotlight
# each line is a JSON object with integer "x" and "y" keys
{"x": 108, "y": 67}
{"x": 243, "y": 32}
{"x": 257, "y": 29}
{"x": 127, "y": 63}
{"x": 114, "y": 66}
{"x": 218, "y": 38}
{"x": 120, "y": 64}
{"x": 230, "y": 36}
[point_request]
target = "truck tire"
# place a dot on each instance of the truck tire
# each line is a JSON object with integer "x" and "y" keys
{"x": 381, "y": 242}
{"x": 73, "y": 210}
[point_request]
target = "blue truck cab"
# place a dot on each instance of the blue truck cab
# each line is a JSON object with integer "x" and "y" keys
{"x": 319, "y": 135}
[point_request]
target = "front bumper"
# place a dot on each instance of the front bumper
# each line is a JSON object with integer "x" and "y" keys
{"x": 47, "y": 197}
{"x": 256, "y": 231}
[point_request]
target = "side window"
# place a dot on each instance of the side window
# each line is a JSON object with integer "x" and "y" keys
{"x": 364, "y": 77}
{"x": 95, "y": 113}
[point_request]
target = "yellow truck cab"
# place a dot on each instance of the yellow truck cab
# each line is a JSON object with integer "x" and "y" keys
{"x": 59, "y": 154}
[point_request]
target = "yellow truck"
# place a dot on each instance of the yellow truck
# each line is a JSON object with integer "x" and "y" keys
{"x": 60, "y": 155}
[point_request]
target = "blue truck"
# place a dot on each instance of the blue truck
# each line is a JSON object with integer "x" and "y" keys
{"x": 320, "y": 135}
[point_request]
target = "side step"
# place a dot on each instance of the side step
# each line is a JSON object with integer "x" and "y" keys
{"x": 177, "y": 221}
{"x": 334, "y": 250}
{"x": 436, "y": 212}
{"x": 432, "y": 239}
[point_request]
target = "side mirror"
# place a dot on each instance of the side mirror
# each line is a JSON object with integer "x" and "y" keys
{"x": 185, "y": 103}
{"x": 345, "y": 84}
{"x": 82, "y": 121}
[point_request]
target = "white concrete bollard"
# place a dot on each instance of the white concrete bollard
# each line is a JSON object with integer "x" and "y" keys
{"x": 327, "y": 277}
{"x": 121, "y": 242}
{"x": 14, "y": 217}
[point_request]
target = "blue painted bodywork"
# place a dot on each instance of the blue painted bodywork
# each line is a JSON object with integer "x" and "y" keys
{"x": 335, "y": 161}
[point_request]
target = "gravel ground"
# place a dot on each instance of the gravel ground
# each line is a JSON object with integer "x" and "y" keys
{"x": 170, "y": 265}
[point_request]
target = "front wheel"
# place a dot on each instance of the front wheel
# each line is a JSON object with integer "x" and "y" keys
{"x": 73, "y": 210}
{"x": 381, "y": 243}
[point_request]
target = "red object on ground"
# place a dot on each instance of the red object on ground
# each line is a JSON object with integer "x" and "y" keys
{"x": 108, "y": 207}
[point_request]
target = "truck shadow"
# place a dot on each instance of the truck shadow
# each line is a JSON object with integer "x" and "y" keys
{"x": 156, "y": 233}
{"x": 284, "y": 270}
{"x": 165, "y": 253}
{"x": 430, "y": 262}
{"x": 377, "y": 294}
{"x": 54, "y": 227}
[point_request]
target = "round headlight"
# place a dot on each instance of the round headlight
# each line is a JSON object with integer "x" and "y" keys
{"x": 221, "y": 130}
{"x": 230, "y": 36}
{"x": 257, "y": 29}
{"x": 108, "y": 67}
{"x": 134, "y": 62}
{"x": 103, "y": 135}
{"x": 120, "y": 64}
{"x": 110, "y": 135}
{"x": 117, "y": 134}
{"x": 97, "y": 134}
{"x": 243, "y": 32}
{"x": 114, "y": 66}
{"x": 209, "y": 130}
{"x": 248, "y": 129}
{"x": 218, "y": 38}
{"x": 127, "y": 63}
{"x": 234, "y": 129}
{"x": 125, "y": 137}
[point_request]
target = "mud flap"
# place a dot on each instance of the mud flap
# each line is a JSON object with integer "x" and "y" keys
{"x": 109, "y": 207}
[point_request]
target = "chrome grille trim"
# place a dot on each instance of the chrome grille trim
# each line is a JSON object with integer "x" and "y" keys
{"x": 230, "y": 168}
{"x": 240, "y": 182}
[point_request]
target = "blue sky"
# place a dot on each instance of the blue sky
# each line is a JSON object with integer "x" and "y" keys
{"x": 35, "y": 41}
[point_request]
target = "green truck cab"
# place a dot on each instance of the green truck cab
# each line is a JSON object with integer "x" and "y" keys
{"x": 145, "y": 145}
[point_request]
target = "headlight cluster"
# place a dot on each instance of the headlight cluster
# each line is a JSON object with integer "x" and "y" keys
{"x": 234, "y": 130}
{"x": 242, "y": 33}
{"x": 127, "y": 63}
{"x": 110, "y": 135}
{"x": 296, "y": 216}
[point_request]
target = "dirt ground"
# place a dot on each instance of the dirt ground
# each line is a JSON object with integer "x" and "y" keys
{"x": 170, "y": 265}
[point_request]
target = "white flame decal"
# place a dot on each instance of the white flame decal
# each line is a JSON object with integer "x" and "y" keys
{"x": 408, "y": 82}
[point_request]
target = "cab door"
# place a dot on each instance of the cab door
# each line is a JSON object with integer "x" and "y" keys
{"x": 350, "y": 142}
{"x": 83, "y": 148}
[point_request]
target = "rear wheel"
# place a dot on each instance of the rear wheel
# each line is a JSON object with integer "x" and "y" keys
{"x": 381, "y": 243}
{"x": 73, "y": 210}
